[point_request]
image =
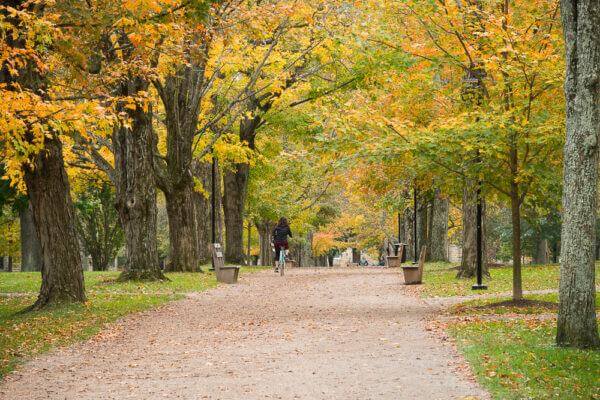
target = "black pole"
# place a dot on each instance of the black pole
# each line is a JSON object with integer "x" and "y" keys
{"x": 479, "y": 285}
{"x": 399, "y": 233}
{"x": 416, "y": 256}
{"x": 213, "y": 214}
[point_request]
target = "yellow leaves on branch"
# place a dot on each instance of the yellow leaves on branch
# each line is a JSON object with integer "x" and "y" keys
{"x": 144, "y": 8}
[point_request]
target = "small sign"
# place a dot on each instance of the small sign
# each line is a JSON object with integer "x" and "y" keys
{"x": 217, "y": 257}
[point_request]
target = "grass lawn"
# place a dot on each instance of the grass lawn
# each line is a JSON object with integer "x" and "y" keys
{"x": 26, "y": 334}
{"x": 517, "y": 359}
{"x": 537, "y": 304}
{"x": 514, "y": 356}
{"x": 440, "y": 280}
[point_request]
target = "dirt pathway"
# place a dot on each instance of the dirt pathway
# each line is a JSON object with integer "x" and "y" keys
{"x": 315, "y": 334}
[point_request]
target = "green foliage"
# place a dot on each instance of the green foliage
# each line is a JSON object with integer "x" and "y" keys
{"x": 98, "y": 223}
{"x": 10, "y": 244}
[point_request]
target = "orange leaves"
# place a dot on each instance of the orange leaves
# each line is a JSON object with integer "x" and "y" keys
{"x": 323, "y": 242}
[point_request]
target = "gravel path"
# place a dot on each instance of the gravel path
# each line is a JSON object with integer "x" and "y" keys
{"x": 314, "y": 334}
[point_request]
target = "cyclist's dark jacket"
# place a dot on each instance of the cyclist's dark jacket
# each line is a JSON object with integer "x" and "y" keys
{"x": 280, "y": 234}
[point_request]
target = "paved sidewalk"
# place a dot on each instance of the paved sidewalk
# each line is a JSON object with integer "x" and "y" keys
{"x": 313, "y": 334}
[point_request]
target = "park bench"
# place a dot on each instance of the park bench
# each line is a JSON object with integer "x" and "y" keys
{"x": 395, "y": 261}
{"x": 225, "y": 274}
{"x": 413, "y": 274}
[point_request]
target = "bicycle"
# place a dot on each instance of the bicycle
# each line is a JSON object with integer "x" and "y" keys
{"x": 280, "y": 264}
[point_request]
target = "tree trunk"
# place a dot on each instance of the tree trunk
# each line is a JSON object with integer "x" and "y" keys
{"x": 135, "y": 195}
{"x": 577, "y": 325}
{"x": 423, "y": 228}
{"x": 468, "y": 265}
{"x": 234, "y": 198}
{"x": 555, "y": 252}
{"x": 203, "y": 226}
{"x": 541, "y": 251}
{"x": 44, "y": 173}
{"x": 54, "y": 218}
{"x": 515, "y": 207}
{"x": 31, "y": 251}
{"x": 203, "y": 172}
{"x": 265, "y": 229}
{"x": 438, "y": 244}
{"x": 181, "y": 94}
{"x": 355, "y": 256}
{"x": 408, "y": 234}
{"x": 306, "y": 255}
{"x": 323, "y": 260}
{"x": 249, "y": 239}
{"x": 183, "y": 233}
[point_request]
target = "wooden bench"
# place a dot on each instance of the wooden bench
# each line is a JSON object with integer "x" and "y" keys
{"x": 395, "y": 261}
{"x": 413, "y": 274}
{"x": 225, "y": 274}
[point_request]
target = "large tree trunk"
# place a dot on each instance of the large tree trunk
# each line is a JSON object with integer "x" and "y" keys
{"x": 133, "y": 148}
{"x": 408, "y": 234}
{"x": 183, "y": 232}
{"x": 54, "y": 218}
{"x": 265, "y": 229}
{"x": 181, "y": 95}
{"x": 423, "y": 227}
{"x": 234, "y": 197}
{"x": 44, "y": 174}
{"x": 468, "y": 265}
{"x": 577, "y": 325}
{"x": 31, "y": 250}
{"x": 235, "y": 182}
{"x": 438, "y": 243}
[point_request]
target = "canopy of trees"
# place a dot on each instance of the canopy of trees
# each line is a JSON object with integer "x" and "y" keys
{"x": 341, "y": 116}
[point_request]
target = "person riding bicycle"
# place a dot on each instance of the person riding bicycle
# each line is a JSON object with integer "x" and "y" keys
{"x": 280, "y": 235}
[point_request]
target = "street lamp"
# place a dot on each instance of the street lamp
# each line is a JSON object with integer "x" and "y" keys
{"x": 415, "y": 255}
{"x": 479, "y": 285}
{"x": 213, "y": 205}
{"x": 397, "y": 247}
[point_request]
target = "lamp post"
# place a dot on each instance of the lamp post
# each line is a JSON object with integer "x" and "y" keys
{"x": 213, "y": 205}
{"x": 415, "y": 245}
{"x": 479, "y": 285}
{"x": 213, "y": 219}
{"x": 399, "y": 233}
{"x": 473, "y": 86}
